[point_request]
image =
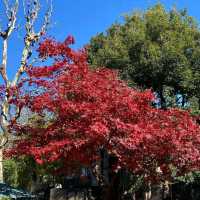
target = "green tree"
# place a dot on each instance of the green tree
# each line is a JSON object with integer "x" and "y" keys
{"x": 18, "y": 173}
{"x": 156, "y": 49}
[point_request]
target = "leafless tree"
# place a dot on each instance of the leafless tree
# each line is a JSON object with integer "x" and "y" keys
{"x": 31, "y": 37}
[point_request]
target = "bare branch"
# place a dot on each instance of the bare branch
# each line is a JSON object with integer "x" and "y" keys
{"x": 3, "y": 124}
{"x": 31, "y": 36}
{"x": 4, "y": 62}
{"x": 24, "y": 7}
{"x": 18, "y": 114}
{"x": 12, "y": 16}
{"x": 3, "y": 140}
{"x": 46, "y": 20}
{"x": 6, "y": 4}
{"x": 3, "y": 113}
{"x": 36, "y": 60}
{"x": 11, "y": 12}
{"x": 31, "y": 14}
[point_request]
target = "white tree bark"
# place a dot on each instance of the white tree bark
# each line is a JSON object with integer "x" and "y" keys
{"x": 1, "y": 164}
{"x": 31, "y": 37}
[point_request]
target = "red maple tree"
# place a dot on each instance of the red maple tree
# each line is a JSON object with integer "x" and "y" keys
{"x": 92, "y": 109}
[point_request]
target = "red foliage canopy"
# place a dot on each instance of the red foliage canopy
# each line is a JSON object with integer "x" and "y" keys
{"x": 93, "y": 109}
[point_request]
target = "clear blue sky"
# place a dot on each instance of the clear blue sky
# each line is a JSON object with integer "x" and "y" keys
{"x": 85, "y": 18}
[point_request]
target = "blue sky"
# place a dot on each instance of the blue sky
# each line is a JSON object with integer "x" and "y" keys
{"x": 85, "y": 18}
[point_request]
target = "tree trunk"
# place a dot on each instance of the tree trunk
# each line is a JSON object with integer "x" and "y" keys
{"x": 147, "y": 194}
{"x": 1, "y": 165}
{"x": 183, "y": 100}
{"x": 162, "y": 99}
{"x": 166, "y": 190}
{"x": 112, "y": 190}
{"x": 199, "y": 103}
{"x": 105, "y": 166}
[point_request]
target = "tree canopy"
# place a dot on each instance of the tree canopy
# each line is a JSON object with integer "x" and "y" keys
{"x": 92, "y": 109}
{"x": 156, "y": 49}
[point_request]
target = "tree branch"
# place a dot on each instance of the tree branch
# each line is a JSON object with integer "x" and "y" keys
{"x": 31, "y": 36}
{"x": 4, "y": 62}
{"x": 12, "y": 16}
{"x": 3, "y": 140}
{"x": 18, "y": 113}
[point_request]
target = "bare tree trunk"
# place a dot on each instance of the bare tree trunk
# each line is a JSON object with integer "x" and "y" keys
{"x": 199, "y": 103}
{"x": 166, "y": 190}
{"x": 1, "y": 165}
{"x": 147, "y": 194}
{"x": 184, "y": 100}
{"x": 112, "y": 189}
{"x": 134, "y": 196}
{"x": 162, "y": 99}
{"x": 31, "y": 37}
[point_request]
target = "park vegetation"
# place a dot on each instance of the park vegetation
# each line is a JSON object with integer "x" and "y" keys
{"x": 129, "y": 101}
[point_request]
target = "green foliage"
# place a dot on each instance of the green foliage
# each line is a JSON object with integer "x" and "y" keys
{"x": 5, "y": 198}
{"x": 22, "y": 172}
{"x": 153, "y": 49}
{"x": 156, "y": 49}
{"x": 10, "y": 172}
{"x": 190, "y": 178}
{"x": 19, "y": 172}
